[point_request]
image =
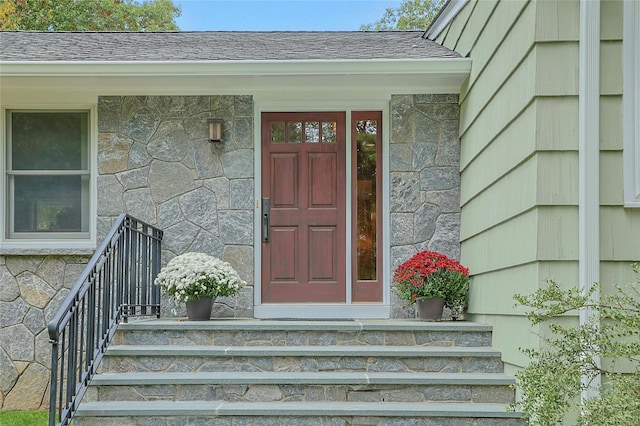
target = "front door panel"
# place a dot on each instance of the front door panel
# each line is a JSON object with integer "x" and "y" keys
{"x": 303, "y": 176}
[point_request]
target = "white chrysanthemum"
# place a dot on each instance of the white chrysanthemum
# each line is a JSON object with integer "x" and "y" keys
{"x": 191, "y": 275}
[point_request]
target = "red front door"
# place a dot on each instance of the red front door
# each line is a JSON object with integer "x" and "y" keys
{"x": 303, "y": 215}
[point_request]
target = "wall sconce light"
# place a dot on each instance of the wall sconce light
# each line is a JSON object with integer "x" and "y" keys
{"x": 215, "y": 129}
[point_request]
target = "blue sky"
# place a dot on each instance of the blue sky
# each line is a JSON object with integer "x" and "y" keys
{"x": 288, "y": 15}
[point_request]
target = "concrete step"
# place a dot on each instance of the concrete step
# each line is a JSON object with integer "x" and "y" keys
{"x": 302, "y": 358}
{"x": 294, "y": 413}
{"x": 289, "y": 387}
{"x": 250, "y": 332}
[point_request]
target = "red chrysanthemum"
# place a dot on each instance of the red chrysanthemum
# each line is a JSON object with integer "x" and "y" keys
{"x": 430, "y": 274}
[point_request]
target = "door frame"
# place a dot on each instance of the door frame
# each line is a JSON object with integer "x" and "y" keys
{"x": 325, "y": 310}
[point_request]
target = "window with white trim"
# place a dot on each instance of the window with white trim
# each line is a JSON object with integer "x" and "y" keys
{"x": 47, "y": 175}
{"x": 631, "y": 103}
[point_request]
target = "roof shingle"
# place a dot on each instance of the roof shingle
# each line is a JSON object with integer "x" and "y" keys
{"x": 217, "y": 46}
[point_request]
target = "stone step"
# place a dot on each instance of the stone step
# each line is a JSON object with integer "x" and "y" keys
{"x": 266, "y": 373}
{"x": 302, "y": 358}
{"x": 287, "y": 387}
{"x": 250, "y": 332}
{"x": 293, "y": 414}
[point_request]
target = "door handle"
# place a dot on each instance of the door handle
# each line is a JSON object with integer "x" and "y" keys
{"x": 266, "y": 214}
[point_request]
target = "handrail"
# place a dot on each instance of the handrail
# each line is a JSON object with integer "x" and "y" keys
{"x": 116, "y": 283}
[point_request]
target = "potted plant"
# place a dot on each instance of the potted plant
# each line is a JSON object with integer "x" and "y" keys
{"x": 197, "y": 279}
{"x": 434, "y": 281}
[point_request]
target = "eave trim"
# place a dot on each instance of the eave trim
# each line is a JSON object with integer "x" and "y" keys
{"x": 447, "y": 13}
{"x": 235, "y": 68}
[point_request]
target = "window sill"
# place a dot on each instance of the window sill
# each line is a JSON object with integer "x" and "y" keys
{"x": 50, "y": 248}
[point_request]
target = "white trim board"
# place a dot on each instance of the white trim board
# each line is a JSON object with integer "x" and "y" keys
{"x": 43, "y": 246}
{"x": 46, "y": 79}
{"x": 589, "y": 168}
{"x": 631, "y": 103}
{"x": 446, "y": 15}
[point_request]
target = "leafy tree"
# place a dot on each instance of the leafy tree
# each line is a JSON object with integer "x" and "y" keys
{"x": 552, "y": 383}
{"x": 88, "y": 15}
{"x": 8, "y": 17}
{"x": 410, "y": 15}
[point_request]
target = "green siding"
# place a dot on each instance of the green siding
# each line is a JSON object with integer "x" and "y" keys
{"x": 611, "y": 19}
{"x": 611, "y": 67}
{"x": 557, "y": 123}
{"x": 559, "y": 20}
{"x": 457, "y": 27}
{"x": 519, "y": 162}
{"x": 512, "y": 146}
{"x": 619, "y": 230}
{"x": 496, "y": 30}
{"x": 557, "y": 68}
{"x": 611, "y": 123}
{"x": 506, "y": 245}
{"x": 619, "y": 227}
{"x": 478, "y": 130}
{"x": 557, "y": 233}
{"x": 557, "y": 178}
{"x": 616, "y": 272}
{"x": 503, "y": 283}
{"x": 515, "y": 51}
{"x": 611, "y": 185}
{"x": 482, "y": 11}
{"x": 510, "y": 196}
{"x": 519, "y": 157}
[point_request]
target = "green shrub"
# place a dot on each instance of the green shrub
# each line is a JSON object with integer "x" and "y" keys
{"x": 552, "y": 383}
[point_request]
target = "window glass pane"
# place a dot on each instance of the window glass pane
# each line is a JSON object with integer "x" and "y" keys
{"x": 50, "y": 203}
{"x": 277, "y": 132}
{"x": 49, "y": 140}
{"x": 294, "y": 132}
{"x": 312, "y": 132}
{"x": 366, "y": 131}
{"x": 329, "y": 132}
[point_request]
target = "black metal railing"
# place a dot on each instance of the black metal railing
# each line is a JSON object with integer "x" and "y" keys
{"x": 116, "y": 284}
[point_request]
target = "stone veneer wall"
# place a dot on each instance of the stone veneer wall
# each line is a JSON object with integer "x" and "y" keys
{"x": 155, "y": 163}
{"x": 425, "y": 180}
{"x": 31, "y": 290}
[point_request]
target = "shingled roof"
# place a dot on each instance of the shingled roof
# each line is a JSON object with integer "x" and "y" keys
{"x": 18, "y": 46}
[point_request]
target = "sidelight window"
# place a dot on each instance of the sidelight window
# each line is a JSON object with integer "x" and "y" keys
{"x": 367, "y": 185}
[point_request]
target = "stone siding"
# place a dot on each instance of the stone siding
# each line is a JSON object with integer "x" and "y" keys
{"x": 424, "y": 180}
{"x": 155, "y": 163}
{"x": 33, "y": 287}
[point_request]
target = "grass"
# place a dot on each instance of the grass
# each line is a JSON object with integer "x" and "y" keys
{"x": 23, "y": 418}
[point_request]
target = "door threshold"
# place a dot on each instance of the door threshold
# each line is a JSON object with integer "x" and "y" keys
{"x": 320, "y": 311}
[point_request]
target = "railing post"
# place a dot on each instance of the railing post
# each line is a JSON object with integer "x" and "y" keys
{"x": 54, "y": 381}
{"x": 156, "y": 265}
{"x": 133, "y": 264}
{"x": 126, "y": 242}
{"x": 144, "y": 273}
{"x": 72, "y": 366}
